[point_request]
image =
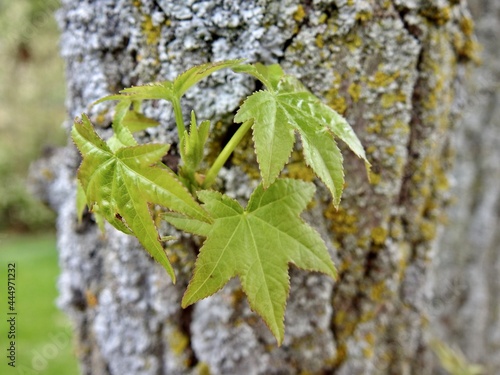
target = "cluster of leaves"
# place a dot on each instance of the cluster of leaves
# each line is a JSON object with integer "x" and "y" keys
{"x": 120, "y": 179}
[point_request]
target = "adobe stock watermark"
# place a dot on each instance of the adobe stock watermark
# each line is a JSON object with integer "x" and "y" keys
{"x": 41, "y": 357}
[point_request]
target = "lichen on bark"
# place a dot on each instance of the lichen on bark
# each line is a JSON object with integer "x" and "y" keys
{"x": 390, "y": 67}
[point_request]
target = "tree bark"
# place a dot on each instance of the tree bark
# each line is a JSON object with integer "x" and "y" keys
{"x": 395, "y": 69}
{"x": 465, "y": 278}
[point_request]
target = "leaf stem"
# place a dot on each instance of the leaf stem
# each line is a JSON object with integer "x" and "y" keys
{"x": 226, "y": 152}
{"x": 179, "y": 120}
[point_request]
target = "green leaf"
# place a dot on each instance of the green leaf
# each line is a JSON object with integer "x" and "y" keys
{"x": 269, "y": 75}
{"x": 137, "y": 122}
{"x": 288, "y": 107}
{"x": 273, "y": 137}
{"x": 193, "y": 143}
{"x": 257, "y": 244}
{"x": 195, "y": 74}
{"x": 170, "y": 90}
{"x": 121, "y": 184}
{"x": 122, "y": 136}
{"x": 155, "y": 90}
{"x": 81, "y": 201}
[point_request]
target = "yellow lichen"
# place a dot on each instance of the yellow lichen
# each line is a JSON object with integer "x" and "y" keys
{"x": 353, "y": 42}
{"x": 440, "y": 178}
{"x": 355, "y": 91}
{"x": 319, "y": 41}
{"x": 467, "y": 26}
{"x": 364, "y": 16}
{"x": 379, "y": 292}
{"x": 381, "y": 79}
{"x": 341, "y": 355}
{"x": 338, "y": 103}
{"x": 368, "y": 352}
{"x": 374, "y": 128}
{"x": 178, "y": 342}
{"x": 299, "y": 14}
{"x": 439, "y": 15}
{"x": 390, "y": 98}
{"x": 371, "y": 149}
{"x": 298, "y": 170}
{"x": 471, "y": 51}
{"x": 342, "y": 222}
{"x": 428, "y": 230}
{"x": 370, "y": 338}
{"x": 363, "y": 241}
{"x": 100, "y": 118}
{"x": 391, "y": 150}
{"x": 91, "y": 299}
{"x": 151, "y": 31}
{"x": 379, "y": 235}
{"x": 375, "y": 178}
{"x": 202, "y": 368}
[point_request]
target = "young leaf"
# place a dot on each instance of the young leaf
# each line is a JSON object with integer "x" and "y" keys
{"x": 136, "y": 121}
{"x": 122, "y": 136}
{"x": 171, "y": 90}
{"x": 81, "y": 201}
{"x": 195, "y": 74}
{"x": 193, "y": 143}
{"x": 269, "y": 75}
{"x": 121, "y": 184}
{"x": 257, "y": 244}
{"x": 288, "y": 107}
{"x": 155, "y": 90}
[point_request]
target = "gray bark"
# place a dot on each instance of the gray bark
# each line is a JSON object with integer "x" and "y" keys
{"x": 465, "y": 307}
{"x": 395, "y": 70}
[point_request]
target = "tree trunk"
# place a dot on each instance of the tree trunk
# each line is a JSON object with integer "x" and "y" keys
{"x": 465, "y": 274}
{"x": 394, "y": 69}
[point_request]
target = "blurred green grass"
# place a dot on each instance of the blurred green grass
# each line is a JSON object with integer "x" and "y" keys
{"x": 44, "y": 338}
{"x": 32, "y": 92}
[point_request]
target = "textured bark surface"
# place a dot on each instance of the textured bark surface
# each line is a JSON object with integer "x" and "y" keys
{"x": 465, "y": 276}
{"x": 393, "y": 68}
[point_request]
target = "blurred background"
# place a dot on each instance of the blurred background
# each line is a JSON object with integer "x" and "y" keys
{"x": 32, "y": 91}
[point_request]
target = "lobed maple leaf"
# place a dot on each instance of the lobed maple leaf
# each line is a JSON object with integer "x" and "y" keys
{"x": 287, "y": 107}
{"x": 172, "y": 90}
{"x": 257, "y": 244}
{"x": 120, "y": 183}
